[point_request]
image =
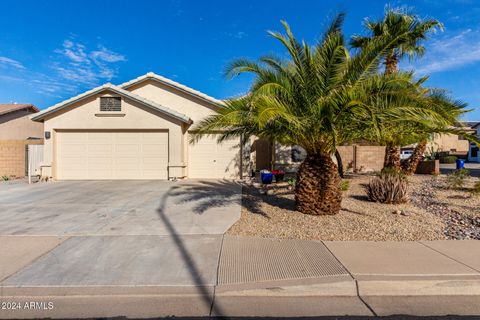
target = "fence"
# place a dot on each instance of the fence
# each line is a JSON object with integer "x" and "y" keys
{"x": 13, "y": 157}
{"x": 359, "y": 158}
{"x": 34, "y": 159}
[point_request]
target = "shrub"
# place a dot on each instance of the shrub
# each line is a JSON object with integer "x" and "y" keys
{"x": 449, "y": 159}
{"x": 5, "y": 178}
{"x": 456, "y": 179}
{"x": 388, "y": 188}
{"x": 292, "y": 182}
{"x": 345, "y": 185}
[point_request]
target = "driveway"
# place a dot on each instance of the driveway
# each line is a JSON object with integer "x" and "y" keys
{"x": 83, "y": 208}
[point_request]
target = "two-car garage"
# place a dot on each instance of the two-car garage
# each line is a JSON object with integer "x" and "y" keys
{"x": 98, "y": 155}
{"x": 131, "y": 154}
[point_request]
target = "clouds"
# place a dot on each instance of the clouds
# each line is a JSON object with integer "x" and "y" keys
{"x": 450, "y": 52}
{"x": 7, "y": 62}
{"x": 67, "y": 70}
{"x": 76, "y": 63}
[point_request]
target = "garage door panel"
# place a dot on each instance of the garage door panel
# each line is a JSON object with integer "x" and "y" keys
{"x": 127, "y": 150}
{"x": 209, "y": 159}
{"x": 112, "y": 155}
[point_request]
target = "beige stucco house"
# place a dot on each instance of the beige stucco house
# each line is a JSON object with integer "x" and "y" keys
{"x": 137, "y": 130}
{"x": 16, "y": 132}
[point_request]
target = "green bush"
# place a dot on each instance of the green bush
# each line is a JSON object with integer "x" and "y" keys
{"x": 345, "y": 185}
{"x": 456, "y": 179}
{"x": 449, "y": 159}
{"x": 292, "y": 182}
{"x": 5, "y": 178}
{"x": 388, "y": 187}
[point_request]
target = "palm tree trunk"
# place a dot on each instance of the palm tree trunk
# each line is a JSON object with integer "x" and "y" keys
{"x": 391, "y": 64}
{"x": 392, "y": 157}
{"x": 318, "y": 189}
{"x": 338, "y": 157}
{"x": 409, "y": 166}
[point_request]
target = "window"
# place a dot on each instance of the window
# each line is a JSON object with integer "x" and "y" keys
{"x": 298, "y": 154}
{"x": 474, "y": 152}
{"x": 110, "y": 104}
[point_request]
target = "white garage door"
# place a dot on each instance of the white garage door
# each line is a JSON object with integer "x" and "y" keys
{"x": 112, "y": 155}
{"x": 210, "y": 160}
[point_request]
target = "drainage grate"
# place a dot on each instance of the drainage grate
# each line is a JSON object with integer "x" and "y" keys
{"x": 255, "y": 259}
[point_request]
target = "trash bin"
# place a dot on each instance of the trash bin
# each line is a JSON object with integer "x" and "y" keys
{"x": 460, "y": 164}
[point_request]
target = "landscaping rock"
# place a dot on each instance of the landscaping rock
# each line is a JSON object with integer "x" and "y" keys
{"x": 459, "y": 225}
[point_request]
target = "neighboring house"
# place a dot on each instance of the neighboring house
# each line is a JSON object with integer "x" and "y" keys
{"x": 451, "y": 144}
{"x": 15, "y": 123}
{"x": 473, "y": 152}
{"x": 137, "y": 130}
{"x": 16, "y": 131}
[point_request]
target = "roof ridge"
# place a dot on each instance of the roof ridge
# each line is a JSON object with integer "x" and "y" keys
{"x": 182, "y": 87}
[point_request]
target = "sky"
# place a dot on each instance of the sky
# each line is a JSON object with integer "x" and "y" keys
{"x": 53, "y": 50}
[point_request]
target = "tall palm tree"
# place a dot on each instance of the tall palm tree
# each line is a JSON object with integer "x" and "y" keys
{"x": 318, "y": 98}
{"x": 409, "y": 30}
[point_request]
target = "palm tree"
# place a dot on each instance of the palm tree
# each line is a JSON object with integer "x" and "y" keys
{"x": 440, "y": 114}
{"x": 450, "y": 112}
{"x": 318, "y": 98}
{"x": 409, "y": 30}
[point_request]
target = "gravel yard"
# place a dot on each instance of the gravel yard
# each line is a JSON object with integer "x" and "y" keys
{"x": 274, "y": 216}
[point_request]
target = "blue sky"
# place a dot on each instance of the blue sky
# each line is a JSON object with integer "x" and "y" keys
{"x": 52, "y": 50}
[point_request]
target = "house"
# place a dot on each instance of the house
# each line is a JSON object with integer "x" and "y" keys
{"x": 473, "y": 154}
{"x": 15, "y": 123}
{"x": 16, "y": 131}
{"x": 448, "y": 143}
{"x": 136, "y": 130}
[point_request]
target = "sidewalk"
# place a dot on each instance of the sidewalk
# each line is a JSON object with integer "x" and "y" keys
{"x": 237, "y": 276}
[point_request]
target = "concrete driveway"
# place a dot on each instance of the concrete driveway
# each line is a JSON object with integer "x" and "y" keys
{"x": 119, "y": 208}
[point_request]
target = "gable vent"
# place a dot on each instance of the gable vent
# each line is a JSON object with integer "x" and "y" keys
{"x": 109, "y": 104}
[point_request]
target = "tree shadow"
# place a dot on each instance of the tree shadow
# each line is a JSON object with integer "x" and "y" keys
{"x": 359, "y": 197}
{"x": 252, "y": 200}
{"x": 207, "y": 194}
{"x": 201, "y": 285}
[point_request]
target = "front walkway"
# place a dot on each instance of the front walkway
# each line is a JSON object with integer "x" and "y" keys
{"x": 202, "y": 275}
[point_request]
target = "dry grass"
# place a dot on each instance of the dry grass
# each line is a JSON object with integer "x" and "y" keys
{"x": 274, "y": 216}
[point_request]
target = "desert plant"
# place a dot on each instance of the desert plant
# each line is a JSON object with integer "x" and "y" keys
{"x": 345, "y": 185}
{"x": 449, "y": 159}
{"x": 387, "y": 188}
{"x": 456, "y": 179}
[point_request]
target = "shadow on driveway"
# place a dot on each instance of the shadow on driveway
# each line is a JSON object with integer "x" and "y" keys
{"x": 195, "y": 274}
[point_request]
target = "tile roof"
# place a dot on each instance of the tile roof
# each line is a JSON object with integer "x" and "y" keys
{"x": 11, "y": 107}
